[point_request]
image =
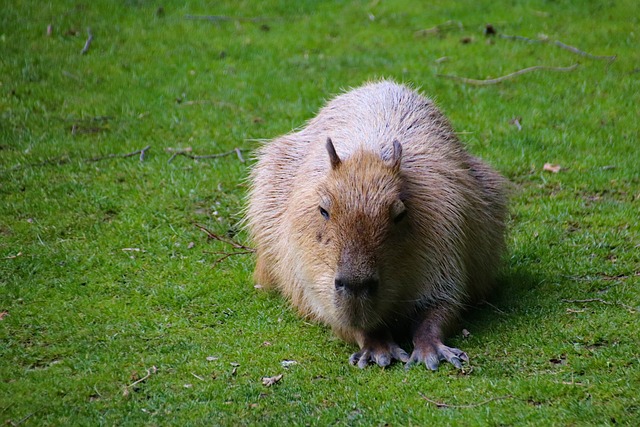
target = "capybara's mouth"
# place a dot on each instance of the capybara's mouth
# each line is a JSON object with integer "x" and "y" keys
{"x": 358, "y": 312}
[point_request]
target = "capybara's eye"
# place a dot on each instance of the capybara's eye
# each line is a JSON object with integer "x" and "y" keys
{"x": 324, "y": 213}
{"x": 398, "y": 211}
{"x": 400, "y": 216}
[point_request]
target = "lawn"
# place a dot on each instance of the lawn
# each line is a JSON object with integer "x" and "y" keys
{"x": 115, "y": 307}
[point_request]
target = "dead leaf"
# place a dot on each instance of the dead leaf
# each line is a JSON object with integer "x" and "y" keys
{"x": 269, "y": 381}
{"x": 3, "y": 314}
{"x": 549, "y": 167}
{"x": 288, "y": 363}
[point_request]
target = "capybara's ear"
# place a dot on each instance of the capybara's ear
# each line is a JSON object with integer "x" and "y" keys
{"x": 333, "y": 156}
{"x": 396, "y": 155}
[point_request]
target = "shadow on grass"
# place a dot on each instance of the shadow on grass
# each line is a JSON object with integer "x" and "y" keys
{"x": 519, "y": 296}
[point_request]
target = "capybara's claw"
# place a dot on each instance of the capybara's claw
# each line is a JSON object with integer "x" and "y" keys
{"x": 433, "y": 355}
{"x": 382, "y": 356}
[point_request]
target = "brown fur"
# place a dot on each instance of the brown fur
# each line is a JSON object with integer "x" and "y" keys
{"x": 415, "y": 224}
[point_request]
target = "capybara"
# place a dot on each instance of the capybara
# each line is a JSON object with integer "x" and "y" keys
{"x": 374, "y": 219}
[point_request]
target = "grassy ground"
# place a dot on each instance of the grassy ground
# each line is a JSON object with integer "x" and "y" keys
{"x": 111, "y": 311}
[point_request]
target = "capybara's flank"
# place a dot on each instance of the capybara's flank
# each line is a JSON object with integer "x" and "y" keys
{"x": 375, "y": 220}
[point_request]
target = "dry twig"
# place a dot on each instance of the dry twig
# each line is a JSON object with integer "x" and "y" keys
{"x": 197, "y": 376}
{"x": 600, "y": 300}
{"x": 438, "y": 28}
{"x": 239, "y": 154}
{"x": 231, "y": 242}
{"x": 64, "y": 160}
{"x": 226, "y": 255}
{"x": 473, "y": 405}
{"x": 223, "y": 18}
{"x": 564, "y": 46}
{"x": 492, "y": 306}
{"x": 240, "y": 248}
{"x": 141, "y": 152}
{"x": 508, "y": 76}
{"x": 87, "y": 44}
{"x": 186, "y": 153}
{"x": 151, "y": 371}
{"x": 21, "y": 420}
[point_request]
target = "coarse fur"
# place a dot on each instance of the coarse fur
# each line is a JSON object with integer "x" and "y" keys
{"x": 375, "y": 220}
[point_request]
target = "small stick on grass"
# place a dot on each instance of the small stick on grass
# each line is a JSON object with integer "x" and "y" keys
{"x": 492, "y": 306}
{"x": 23, "y": 420}
{"x": 223, "y": 18}
{"x": 239, "y": 153}
{"x": 227, "y": 241}
{"x": 226, "y": 255}
{"x": 600, "y": 300}
{"x": 141, "y": 152}
{"x": 87, "y": 44}
{"x": 473, "y": 405}
{"x": 438, "y": 28}
{"x": 240, "y": 248}
{"x": 65, "y": 160}
{"x": 185, "y": 153}
{"x": 508, "y": 76}
{"x": 564, "y": 46}
{"x": 151, "y": 371}
{"x": 197, "y": 376}
{"x": 609, "y": 58}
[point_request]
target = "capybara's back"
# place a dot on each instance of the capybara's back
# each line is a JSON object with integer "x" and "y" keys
{"x": 375, "y": 220}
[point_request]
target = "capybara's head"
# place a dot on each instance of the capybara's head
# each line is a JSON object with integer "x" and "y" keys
{"x": 358, "y": 220}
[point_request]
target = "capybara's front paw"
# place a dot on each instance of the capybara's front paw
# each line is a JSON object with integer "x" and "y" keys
{"x": 431, "y": 355}
{"x": 381, "y": 354}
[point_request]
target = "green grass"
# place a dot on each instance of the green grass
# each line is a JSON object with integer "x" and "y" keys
{"x": 84, "y": 318}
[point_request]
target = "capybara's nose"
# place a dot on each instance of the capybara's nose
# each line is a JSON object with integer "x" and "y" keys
{"x": 356, "y": 286}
